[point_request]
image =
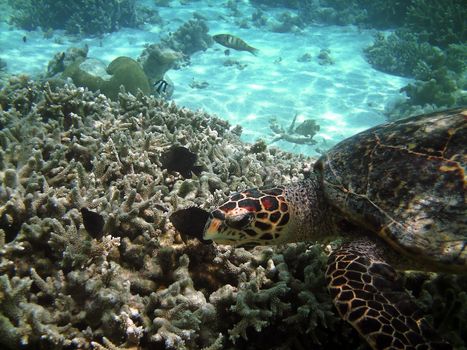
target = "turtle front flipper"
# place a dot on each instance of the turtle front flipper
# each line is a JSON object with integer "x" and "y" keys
{"x": 368, "y": 295}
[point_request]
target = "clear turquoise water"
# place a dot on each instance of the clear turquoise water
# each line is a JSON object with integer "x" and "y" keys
{"x": 343, "y": 98}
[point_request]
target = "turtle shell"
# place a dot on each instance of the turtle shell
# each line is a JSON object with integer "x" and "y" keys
{"x": 406, "y": 182}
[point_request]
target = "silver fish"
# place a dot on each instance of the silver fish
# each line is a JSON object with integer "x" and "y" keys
{"x": 235, "y": 43}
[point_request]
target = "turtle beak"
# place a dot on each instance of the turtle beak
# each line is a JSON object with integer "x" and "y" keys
{"x": 216, "y": 230}
{"x": 212, "y": 228}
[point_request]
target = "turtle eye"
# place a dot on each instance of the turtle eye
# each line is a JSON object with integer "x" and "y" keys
{"x": 239, "y": 221}
{"x": 218, "y": 214}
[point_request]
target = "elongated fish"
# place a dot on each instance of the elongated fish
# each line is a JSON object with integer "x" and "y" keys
{"x": 235, "y": 43}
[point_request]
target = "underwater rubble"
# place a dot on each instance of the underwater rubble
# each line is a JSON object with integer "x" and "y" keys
{"x": 89, "y": 259}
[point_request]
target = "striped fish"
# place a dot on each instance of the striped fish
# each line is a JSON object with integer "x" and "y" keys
{"x": 233, "y": 42}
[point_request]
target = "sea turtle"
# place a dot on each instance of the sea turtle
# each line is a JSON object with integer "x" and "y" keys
{"x": 396, "y": 195}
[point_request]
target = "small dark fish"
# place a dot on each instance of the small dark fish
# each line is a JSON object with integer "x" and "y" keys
{"x": 227, "y": 52}
{"x": 25, "y": 39}
{"x": 61, "y": 57}
{"x": 181, "y": 159}
{"x": 93, "y": 223}
{"x": 191, "y": 222}
{"x": 235, "y": 43}
{"x": 161, "y": 86}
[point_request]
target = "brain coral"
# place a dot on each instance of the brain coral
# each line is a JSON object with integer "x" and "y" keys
{"x": 140, "y": 284}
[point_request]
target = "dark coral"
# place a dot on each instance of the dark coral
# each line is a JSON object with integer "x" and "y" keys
{"x": 439, "y": 73}
{"x": 439, "y": 88}
{"x": 439, "y": 22}
{"x": 191, "y": 37}
{"x": 76, "y": 17}
{"x": 430, "y": 46}
{"x": 377, "y": 14}
{"x": 400, "y": 53}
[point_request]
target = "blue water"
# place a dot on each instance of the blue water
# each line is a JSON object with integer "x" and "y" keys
{"x": 343, "y": 98}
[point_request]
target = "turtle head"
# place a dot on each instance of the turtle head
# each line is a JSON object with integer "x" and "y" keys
{"x": 251, "y": 217}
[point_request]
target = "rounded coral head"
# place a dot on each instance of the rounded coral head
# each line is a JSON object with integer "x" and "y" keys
{"x": 249, "y": 218}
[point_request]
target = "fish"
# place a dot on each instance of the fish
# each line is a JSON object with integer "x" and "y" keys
{"x": 161, "y": 86}
{"x": 190, "y": 222}
{"x": 182, "y": 160}
{"x": 234, "y": 42}
{"x": 93, "y": 223}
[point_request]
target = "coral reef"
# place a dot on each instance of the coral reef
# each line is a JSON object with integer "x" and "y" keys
{"x": 133, "y": 281}
{"x": 173, "y": 51}
{"x": 333, "y": 12}
{"x": 286, "y": 23}
{"x": 429, "y": 46}
{"x": 446, "y": 296}
{"x": 93, "y": 74}
{"x": 441, "y": 23}
{"x": 128, "y": 73}
{"x": 157, "y": 60}
{"x": 439, "y": 89}
{"x": 377, "y": 14}
{"x": 62, "y": 60}
{"x": 3, "y": 74}
{"x": 325, "y": 58}
{"x": 122, "y": 71}
{"x": 279, "y": 3}
{"x": 191, "y": 37}
{"x": 399, "y": 53}
{"x": 440, "y": 73}
{"x": 76, "y": 17}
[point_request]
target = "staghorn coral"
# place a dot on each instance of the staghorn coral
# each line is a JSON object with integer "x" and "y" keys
{"x": 183, "y": 318}
{"x": 140, "y": 284}
{"x": 280, "y": 301}
{"x": 79, "y": 149}
{"x": 13, "y": 294}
